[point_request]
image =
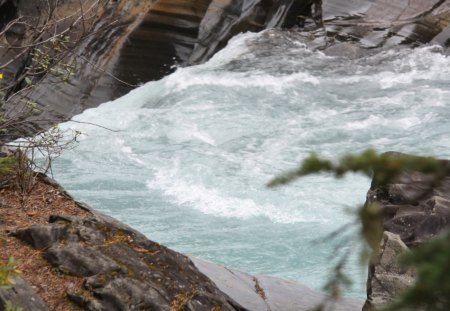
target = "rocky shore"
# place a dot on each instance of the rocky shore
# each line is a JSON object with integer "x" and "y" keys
{"x": 72, "y": 257}
{"x": 75, "y": 258}
{"x": 415, "y": 210}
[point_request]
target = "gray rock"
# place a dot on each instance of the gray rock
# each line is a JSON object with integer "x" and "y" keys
{"x": 122, "y": 269}
{"x": 20, "y": 294}
{"x": 130, "y": 294}
{"x": 79, "y": 260}
{"x": 265, "y": 293}
{"x": 387, "y": 278}
{"x": 236, "y": 284}
{"x": 41, "y": 236}
{"x": 416, "y": 208}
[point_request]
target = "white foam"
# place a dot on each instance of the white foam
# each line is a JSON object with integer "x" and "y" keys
{"x": 186, "y": 79}
{"x": 377, "y": 121}
{"x": 235, "y": 49}
{"x": 232, "y": 128}
{"x": 213, "y": 201}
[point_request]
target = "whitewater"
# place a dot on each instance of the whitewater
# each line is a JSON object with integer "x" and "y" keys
{"x": 187, "y": 157}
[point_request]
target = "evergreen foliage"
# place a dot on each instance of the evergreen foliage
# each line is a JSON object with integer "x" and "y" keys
{"x": 431, "y": 291}
{"x": 431, "y": 260}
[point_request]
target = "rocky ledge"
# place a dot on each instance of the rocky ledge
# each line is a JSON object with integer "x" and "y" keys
{"x": 73, "y": 257}
{"x": 416, "y": 209}
{"x": 106, "y": 265}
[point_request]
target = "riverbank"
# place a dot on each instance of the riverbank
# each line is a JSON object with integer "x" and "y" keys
{"x": 72, "y": 257}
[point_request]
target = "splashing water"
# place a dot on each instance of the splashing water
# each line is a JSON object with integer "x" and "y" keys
{"x": 193, "y": 151}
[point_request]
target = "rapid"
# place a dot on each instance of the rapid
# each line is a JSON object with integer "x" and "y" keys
{"x": 187, "y": 157}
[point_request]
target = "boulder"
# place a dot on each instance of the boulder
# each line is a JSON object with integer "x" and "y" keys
{"x": 21, "y": 295}
{"x": 415, "y": 206}
{"x": 387, "y": 278}
{"x": 415, "y": 209}
{"x": 266, "y": 293}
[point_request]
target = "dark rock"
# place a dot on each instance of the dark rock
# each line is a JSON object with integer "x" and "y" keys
{"x": 225, "y": 19}
{"x": 79, "y": 260}
{"x": 41, "y": 236}
{"x": 416, "y": 208}
{"x": 382, "y": 23}
{"x": 123, "y": 270}
{"x": 20, "y": 294}
{"x": 130, "y": 294}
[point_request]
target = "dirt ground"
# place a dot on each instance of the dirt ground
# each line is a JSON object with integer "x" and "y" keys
{"x": 43, "y": 201}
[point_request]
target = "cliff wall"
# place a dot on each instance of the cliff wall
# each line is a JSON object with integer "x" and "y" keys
{"x": 120, "y": 44}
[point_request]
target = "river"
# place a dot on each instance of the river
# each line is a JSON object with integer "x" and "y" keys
{"x": 190, "y": 155}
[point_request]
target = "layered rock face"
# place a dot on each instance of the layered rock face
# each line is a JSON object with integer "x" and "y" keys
{"x": 388, "y": 23}
{"x": 126, "y": 42}
{"x": 95, "y": 31}
{"x": 116, "y": 45}
{"x": 416, "y": 208}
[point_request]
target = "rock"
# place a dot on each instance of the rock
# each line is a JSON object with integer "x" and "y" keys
{"x": 135, "y": 41}
{"x": 225, "y": 19}
{"x": 387, "y": 279}
{"x": 413, "y": 206}
{"x": 386, "y": 24}
{"x": 122, "y": 269}
{"x": 98, "y": 39}
{"x": 40, "y": 236}
{"x": 416, "y": 208}
{"x": 79, "y": 260}
{"x": 130, "y": 294}
{"x": 264, "y": 293}
{"x": 20, "y": 294}
{"x": 124, "y": 43}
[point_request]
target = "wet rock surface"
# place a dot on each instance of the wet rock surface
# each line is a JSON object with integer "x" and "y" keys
{"x": 265, "y": 293}
{"x": 382, "y": 24}
{"x": 135, "y": 41}
{"x": 94, "y": 30}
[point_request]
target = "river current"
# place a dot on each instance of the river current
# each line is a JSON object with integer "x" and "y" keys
{"x": 190, "y": 155}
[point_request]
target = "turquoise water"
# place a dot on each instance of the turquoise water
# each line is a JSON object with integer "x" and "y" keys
{"x": 191, "y": 154}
